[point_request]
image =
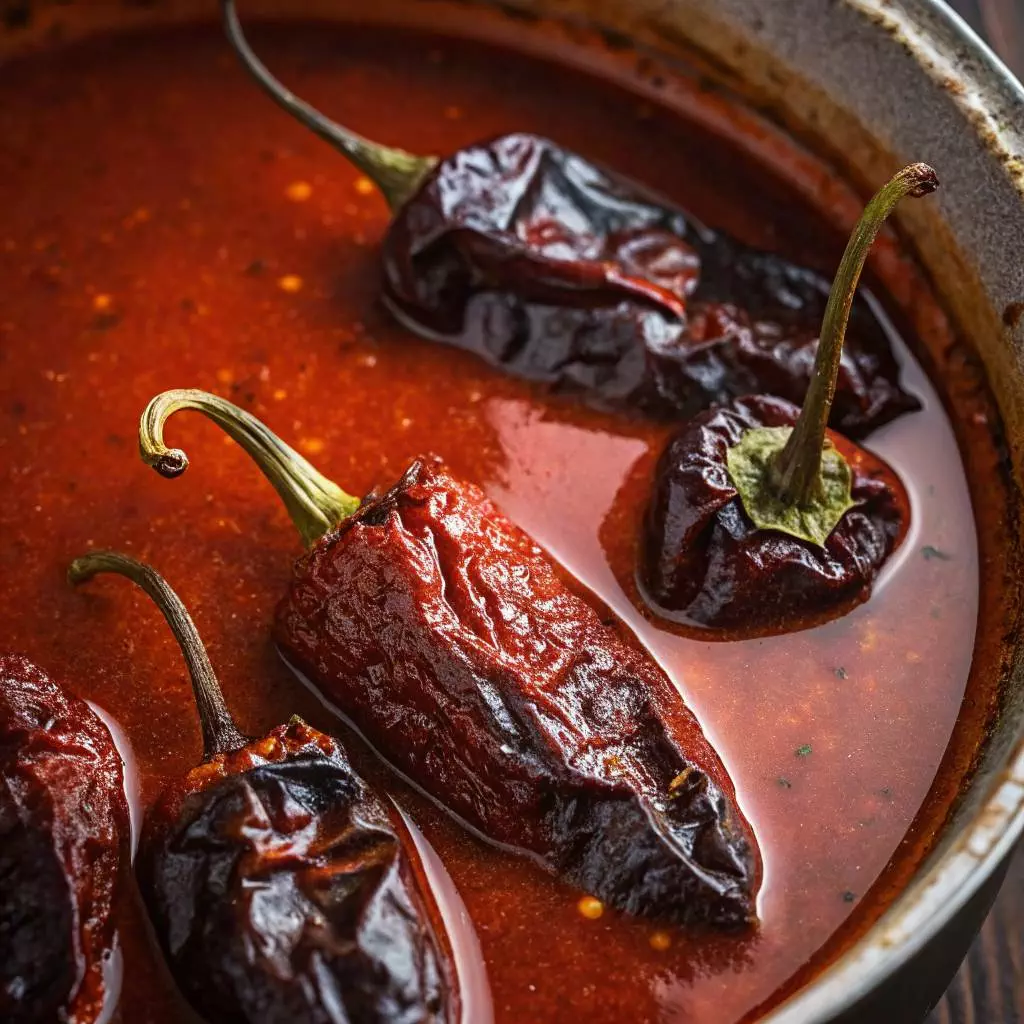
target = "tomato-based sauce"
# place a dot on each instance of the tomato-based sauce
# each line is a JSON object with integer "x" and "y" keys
{"x": 165, "y": 226}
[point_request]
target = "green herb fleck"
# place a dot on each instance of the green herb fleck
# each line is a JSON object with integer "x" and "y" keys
{"x": 849, "y": 897}
{"x": 106, "y": 321}
{"x": 886, "y": 791}
{"x": 803, "y": 750}
{"x": 840, "y": 673}
{"x": 931, "y": 553}
{"x": 784, "y": 782}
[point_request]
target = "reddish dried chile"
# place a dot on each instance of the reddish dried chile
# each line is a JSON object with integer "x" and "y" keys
{"x": 557, "y": 271}
{"x": 280, "y": 891}
{"x": 705, "y": 562}
{"x": 64, "y": 848}
{"x": 443, "y": 632}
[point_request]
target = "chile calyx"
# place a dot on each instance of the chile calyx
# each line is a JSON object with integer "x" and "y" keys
{"x": 793, "y": 479}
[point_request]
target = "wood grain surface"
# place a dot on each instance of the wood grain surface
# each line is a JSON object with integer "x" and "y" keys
{"x": 1001, "y": 24}
{"x": 989, "y": 989}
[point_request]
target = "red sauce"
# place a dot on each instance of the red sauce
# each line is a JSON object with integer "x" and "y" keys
{"x": 165, "y": 226}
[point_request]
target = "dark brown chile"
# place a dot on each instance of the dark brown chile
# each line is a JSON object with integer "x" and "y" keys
{"x": 705, "y": 563}
{"x": 64, "y": 849}
{"x": 445, "y": 634}
{"x": 557, "y": 271}
{"x": 281, "y": 893}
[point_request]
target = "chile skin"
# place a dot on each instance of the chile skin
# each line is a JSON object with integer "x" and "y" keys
{"x": 64, "y": 849}
{"x": 704, "y": 562}
{"x": 557, "y": 271}
{"x": 283, "y": 892}
{"x": 444, "y": 633}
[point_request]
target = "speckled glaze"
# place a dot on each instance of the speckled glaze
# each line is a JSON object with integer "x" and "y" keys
{"x": 869, "y": 84}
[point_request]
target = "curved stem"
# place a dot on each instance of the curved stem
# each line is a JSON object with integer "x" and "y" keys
{"x": 315, "y": 503}
{"x": 797, "y": 469}
{"x": 394, "y": 171}
{"x": 220, "y": 734}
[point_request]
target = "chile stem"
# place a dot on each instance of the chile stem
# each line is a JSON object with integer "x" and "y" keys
{"x": 220, "y": 734}
{"x": 394, "y": 171}
{"x": 315, "y": 503}
{"x": 797, "y": 469}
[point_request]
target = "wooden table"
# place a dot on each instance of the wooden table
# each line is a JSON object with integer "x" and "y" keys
{"x": 1001, "y": 24}
{"x": 990, "y": 986}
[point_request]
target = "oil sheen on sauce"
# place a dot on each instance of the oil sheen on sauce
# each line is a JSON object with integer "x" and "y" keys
{"x": 165, "y": 226}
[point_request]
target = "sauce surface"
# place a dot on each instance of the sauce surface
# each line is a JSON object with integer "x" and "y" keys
{"x": 165, "y": 226}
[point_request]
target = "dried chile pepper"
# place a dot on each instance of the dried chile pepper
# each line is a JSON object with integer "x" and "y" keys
{"x": 64, "y": 850}
{"x": 451, "y": 642}
{"x": 558, "y": 271}
{"x": 280, "y": 888}
{"x": 763, "y": 520}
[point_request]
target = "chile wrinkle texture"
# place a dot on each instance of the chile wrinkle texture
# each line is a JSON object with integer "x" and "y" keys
{"x": 706, "y": 564}
{"x": 555, "y": 270}
{"x": 445, "y": 634}
{"x": 64, "y": 836}
{"x": 282, "y": 892}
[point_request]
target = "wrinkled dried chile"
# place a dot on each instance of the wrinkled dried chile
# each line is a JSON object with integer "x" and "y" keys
{"x": 281, "y": 889}
{"x": 707, "y": 564}
{"x": 446, "y": 635}
{"x": 555, "y": 270}
{"x": 64, "y": 849}
{"x": 762, "y": 520}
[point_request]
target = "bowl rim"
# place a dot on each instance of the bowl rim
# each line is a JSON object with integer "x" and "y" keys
{"x": 950, "y": 877}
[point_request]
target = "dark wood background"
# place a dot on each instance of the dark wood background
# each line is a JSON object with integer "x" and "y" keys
{"x": 1001, "y": 23}
{"x": 989, "y": 989}
{"x": 990, "y": 986}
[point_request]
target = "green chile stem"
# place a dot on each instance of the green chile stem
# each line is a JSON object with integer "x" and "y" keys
{"x": 798, "y": 465}
{"x": 220, "y": 734}
{"x": 315, "y": 503}
{"x": 394, "y": 171}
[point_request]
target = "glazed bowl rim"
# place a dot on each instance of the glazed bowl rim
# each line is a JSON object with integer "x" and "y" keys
{"x": 984, "y": 841}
